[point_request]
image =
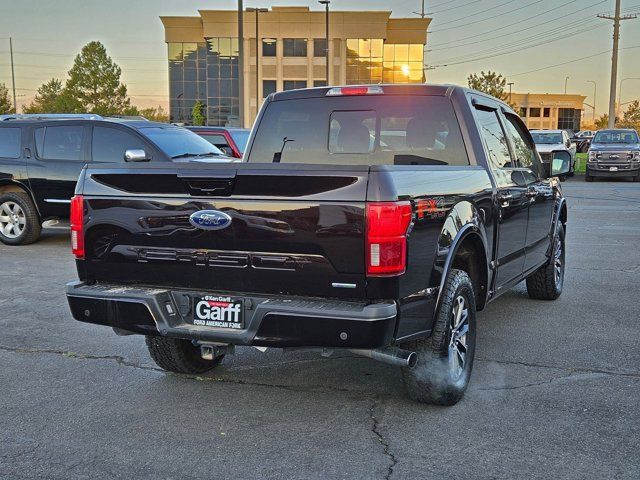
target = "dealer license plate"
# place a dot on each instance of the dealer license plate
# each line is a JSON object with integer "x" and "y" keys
{"x": 613, "y": 169}
{"x": 218, "y": 311}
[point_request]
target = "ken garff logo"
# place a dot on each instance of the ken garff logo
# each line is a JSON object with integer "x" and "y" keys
{"x": 210, "y": 219}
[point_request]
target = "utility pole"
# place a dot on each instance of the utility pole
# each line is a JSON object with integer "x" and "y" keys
{"x": 326, "y": 34}
{"x": 614, "y": 60}
{"x": 241, "y": 62}
{"x": 13, "y": 77}
{"x": 421, "y": 12}
{"x": 566, "y": 79}
{"x": 510, "y": 85}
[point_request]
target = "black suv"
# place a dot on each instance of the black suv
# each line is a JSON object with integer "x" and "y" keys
{"x": 42, "y": 156}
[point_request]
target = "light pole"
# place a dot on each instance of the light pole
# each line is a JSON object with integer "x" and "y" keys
{"x": 326, "y": 30}
{"x": 241, "y": 63}
{"x": 620, "y": 89}
{"x": 594, "y": 99}
{"x": 257, "y": 11}
{"x": 566, "y": 79}
{"x": 510, "y": 85}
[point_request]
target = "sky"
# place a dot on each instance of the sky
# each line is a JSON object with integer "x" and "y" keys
{"x": 535, "y": 43}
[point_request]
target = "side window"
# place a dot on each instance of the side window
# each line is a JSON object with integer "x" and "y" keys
{"x": 109, "y": 144}
{"x": 62, "y": 142}
{"x": 218, "y": 141}
{"x": 10, "y": 142}
{"x": 494, "y": 139}
{"x": 525, "y": 151}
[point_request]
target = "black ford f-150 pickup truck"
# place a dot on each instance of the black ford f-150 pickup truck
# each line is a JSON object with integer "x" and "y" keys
{"x": 373, "y": 219}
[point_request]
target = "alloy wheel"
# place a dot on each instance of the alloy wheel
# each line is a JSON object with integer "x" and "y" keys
{"x": 558, "y": 263}
{"x": 458, "y": 340}
{"x": 12, "y": 220}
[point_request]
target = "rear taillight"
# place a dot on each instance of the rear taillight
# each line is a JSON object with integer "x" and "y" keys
{"x": 77, "y": 226}
{"x": 387, "y": 225}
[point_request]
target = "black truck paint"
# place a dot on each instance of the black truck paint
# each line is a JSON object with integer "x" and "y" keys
{"x": 294, "y": 253}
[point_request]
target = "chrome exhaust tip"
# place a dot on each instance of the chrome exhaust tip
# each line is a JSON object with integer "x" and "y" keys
{"x": 391, "y": 355}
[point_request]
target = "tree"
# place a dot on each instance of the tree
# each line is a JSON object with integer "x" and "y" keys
{"x": 94, "y": 81}
{"x": 155, "y": 114}
{"x": 602, "y": 122}
{"x": 52, "y": 97}
{"x": 6, "y": 106}
{"x": 491, "y": 83}
{"x": 197, "y": 114}
{"x": 631, "y": 117}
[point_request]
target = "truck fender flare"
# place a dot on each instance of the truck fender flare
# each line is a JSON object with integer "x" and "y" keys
{"x": 559, "y": 216}
{"x": 464, "y": 225}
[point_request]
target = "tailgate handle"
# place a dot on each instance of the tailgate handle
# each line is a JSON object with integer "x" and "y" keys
{"x": 209, "y": 183}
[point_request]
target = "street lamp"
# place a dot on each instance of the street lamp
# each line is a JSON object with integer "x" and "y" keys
{"x": 620, "y": 89}
{"x": 510, "y": 85}
{"x": 257, "y": 11}
{"x": 594, "y": 99}
{"x": 326, "y": 30}
{"x": 566, "y": 79}
{"x": 241, "y": 63}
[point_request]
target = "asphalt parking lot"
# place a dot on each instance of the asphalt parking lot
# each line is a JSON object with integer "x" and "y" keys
{"x": 554, "y": 393}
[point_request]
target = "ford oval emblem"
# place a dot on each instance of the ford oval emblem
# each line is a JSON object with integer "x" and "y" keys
{"x": 210, "y": 219}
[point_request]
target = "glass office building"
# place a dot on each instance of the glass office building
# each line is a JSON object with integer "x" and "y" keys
{"x": 288, "y": 51}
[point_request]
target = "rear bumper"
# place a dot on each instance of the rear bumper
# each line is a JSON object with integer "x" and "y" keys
{"x": 268, "y": 320}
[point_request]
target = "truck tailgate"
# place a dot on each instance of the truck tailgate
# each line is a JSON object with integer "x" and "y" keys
{"x": 297, "y": 231}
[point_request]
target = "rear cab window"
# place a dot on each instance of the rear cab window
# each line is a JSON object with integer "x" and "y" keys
{"x": 360, "y": 130}
{"x": 10, "y": 142}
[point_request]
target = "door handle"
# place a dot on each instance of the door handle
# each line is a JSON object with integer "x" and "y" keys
{"x": 505, "y": 197}
{"x": 531, "y": 192}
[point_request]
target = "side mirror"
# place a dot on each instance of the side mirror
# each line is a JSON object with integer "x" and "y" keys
{"x": 136, "y": 155}
{"x": 560, "y": 164}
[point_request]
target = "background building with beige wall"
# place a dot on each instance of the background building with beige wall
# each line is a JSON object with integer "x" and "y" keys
{"x": 364, "y": 47}
{"x": 549, "y": 111}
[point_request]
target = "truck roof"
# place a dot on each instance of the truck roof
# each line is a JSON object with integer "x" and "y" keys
{"x": 389, "y": 89}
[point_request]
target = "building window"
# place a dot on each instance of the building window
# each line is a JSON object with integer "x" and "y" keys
{"x": 319, "y": 47}
{"x": 546, "y": 112}
{"x": 364, "y": 60}
{"x": 534, "y": 112}
{"x": 403, "y": 63}
{"x": 319, "y": 83}
{"x": 295, "y": 47}
{"x": 569, "y": 119}
{"x": 523, "y": 112}
{"x": 187, "y": 78}
{"x": 293, "y": 84}
{"x": 223, "y": 107}
{"x": 269, "y": 47}
{"x": 268, "y": 87}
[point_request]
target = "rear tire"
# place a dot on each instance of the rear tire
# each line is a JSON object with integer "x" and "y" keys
{"x": 179, "y": 356}
{"x": 546, "y": 282}
{"x": 19, "y": 220}
{"x": 445, "y": 359}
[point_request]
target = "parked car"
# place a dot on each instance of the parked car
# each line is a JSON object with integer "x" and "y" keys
{"x": 370, "y": 219}
{"x": 41, "y": 157}
{"x": 582, "y": 140}
{"x": 548, "y": 141}
{"x": 232, "y": 141}
{"x": 614, "y": 153}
